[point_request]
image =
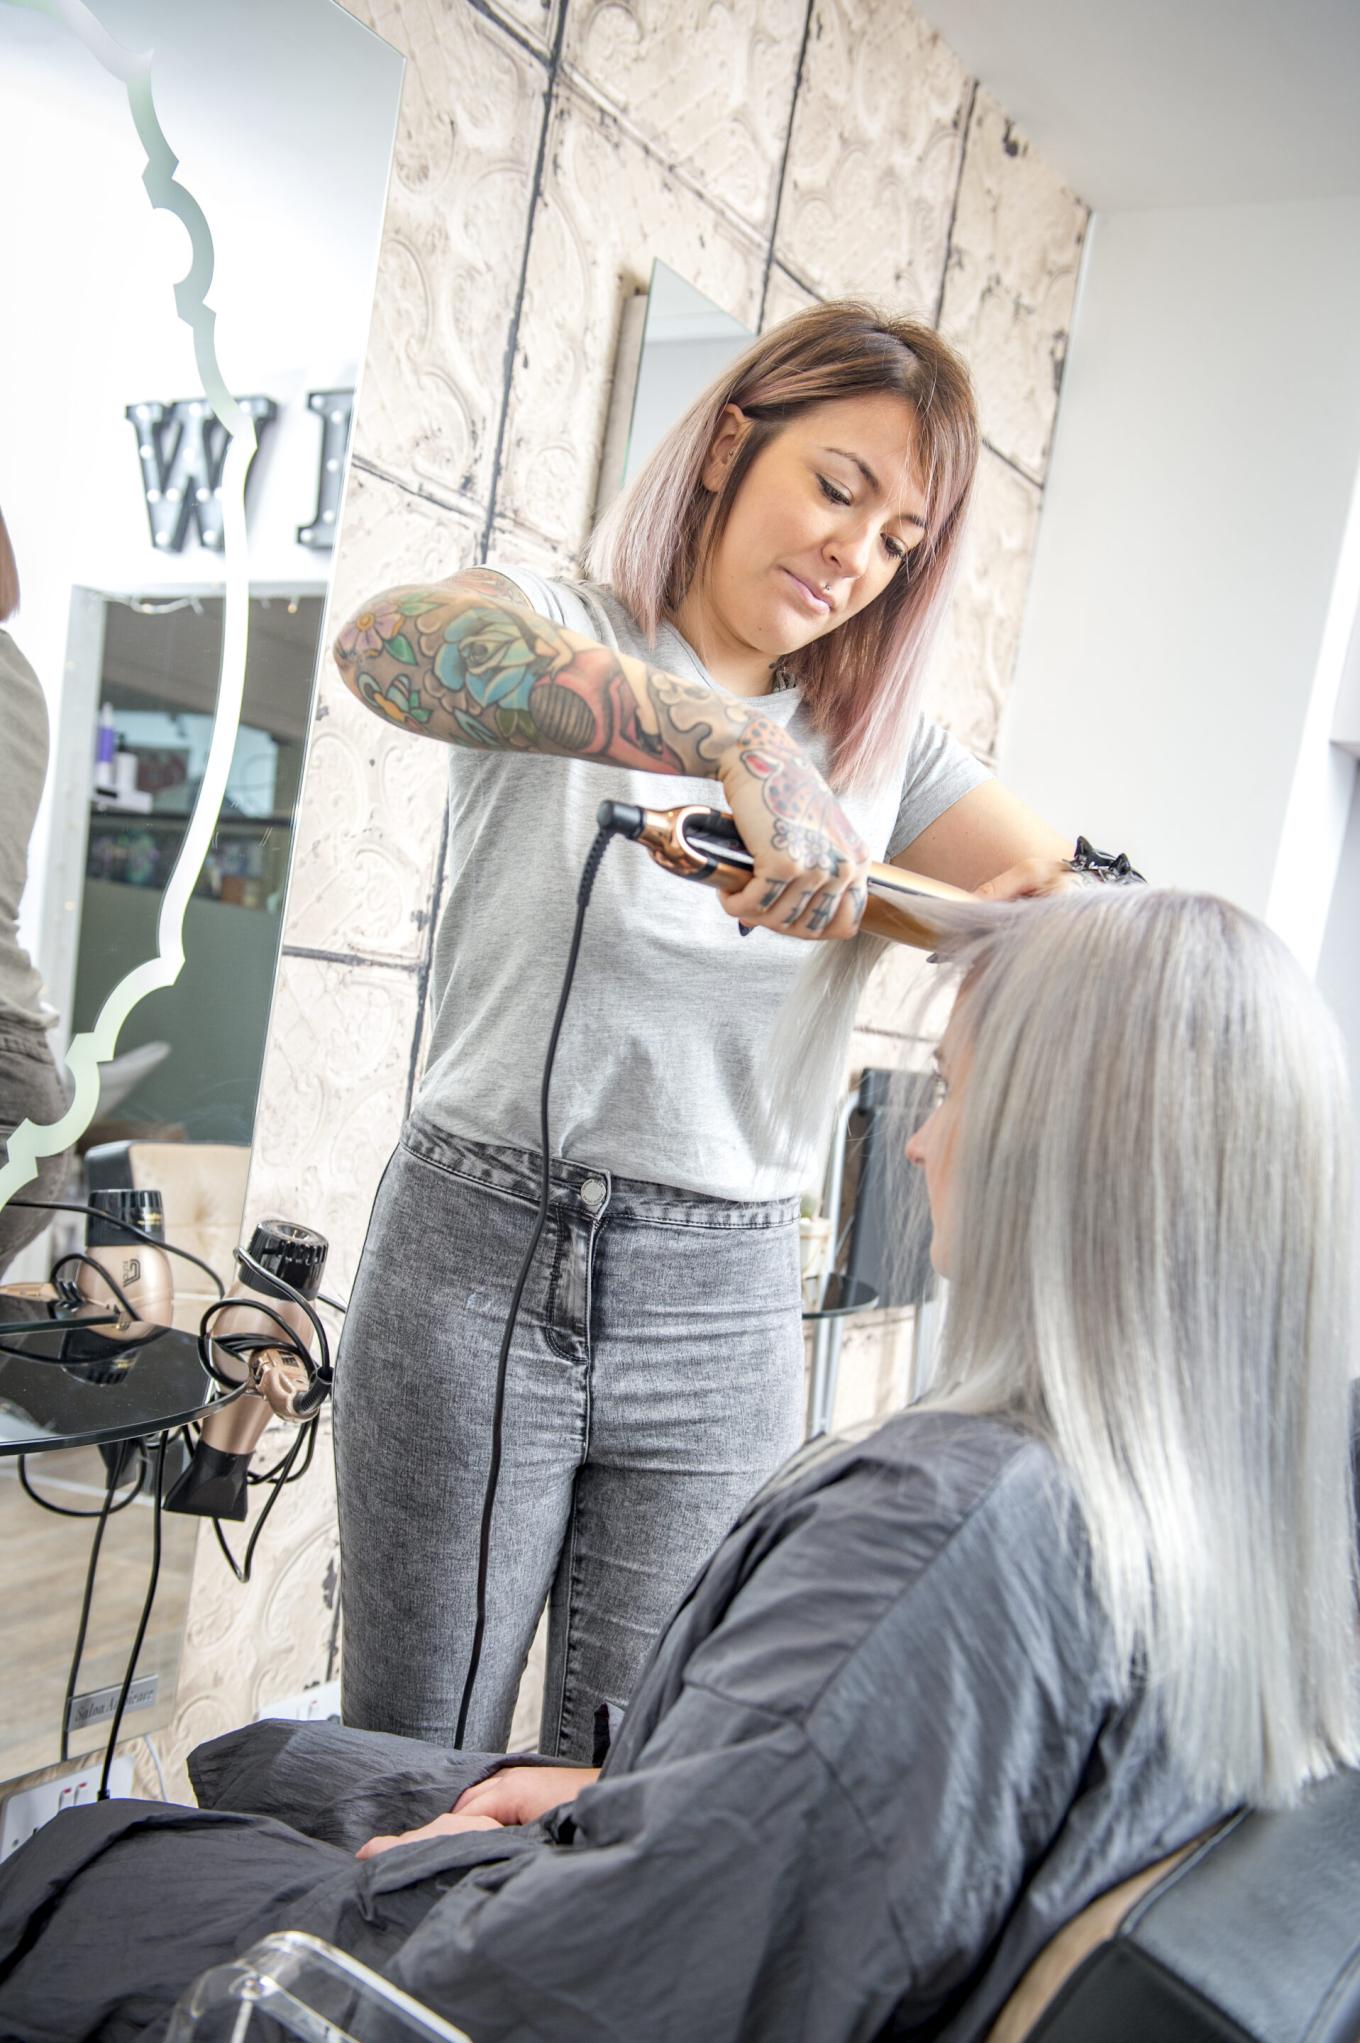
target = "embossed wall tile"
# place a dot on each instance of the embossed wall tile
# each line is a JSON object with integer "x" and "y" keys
{"x": 974, "y": 657}
{"x": 585, "y": 257}
{"x": 332, "y": 1098}
{"x": 874, "y": 156}
{"x": 784, "y": 297}
{"x": 515, "y": 545}
{"x": 536, "y": 19}
{"x": 1013, "y": 261}
{"x": 452, "y": 246}
{"x": 369, "y": 825}
{"x": 709, "y": 85}
{"x": 248, "y": 1646}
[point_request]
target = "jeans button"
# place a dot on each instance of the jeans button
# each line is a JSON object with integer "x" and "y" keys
{"x": 593, "y": 1193}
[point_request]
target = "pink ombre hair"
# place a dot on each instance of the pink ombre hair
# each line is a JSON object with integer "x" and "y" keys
{"x": 861, "y": 682}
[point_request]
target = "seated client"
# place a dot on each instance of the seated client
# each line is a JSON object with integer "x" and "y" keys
{"x": 938, "y": 1688}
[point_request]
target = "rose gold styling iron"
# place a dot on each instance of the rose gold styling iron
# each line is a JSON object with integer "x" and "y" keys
{"x": 703, "y": 844}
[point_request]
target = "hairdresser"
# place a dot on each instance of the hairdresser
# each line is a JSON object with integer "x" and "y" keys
{"x": 30, "y": 1086}
{"x": 753, "y": 635}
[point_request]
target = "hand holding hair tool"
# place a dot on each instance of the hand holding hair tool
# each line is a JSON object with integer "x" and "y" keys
{"x": 260, "y": 1348}
{"x": 698, "y": 843}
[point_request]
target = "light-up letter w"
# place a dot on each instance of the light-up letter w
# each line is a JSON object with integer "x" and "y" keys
{"x": 182, "y": 448}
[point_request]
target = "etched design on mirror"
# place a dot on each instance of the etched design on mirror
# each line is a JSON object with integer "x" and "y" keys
{"x": 31, "y": 1141}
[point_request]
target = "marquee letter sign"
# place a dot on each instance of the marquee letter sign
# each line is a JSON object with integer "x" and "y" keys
{"x": 182, "y": 448}
{"x": 333, "y": 408}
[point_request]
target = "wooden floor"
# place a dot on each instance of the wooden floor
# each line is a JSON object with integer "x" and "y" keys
{"x": 42, "y": 1578}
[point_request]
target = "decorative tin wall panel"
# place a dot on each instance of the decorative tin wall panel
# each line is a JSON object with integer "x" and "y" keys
{"x": 452, "y": 247}
{"x": 874, "y": 157}
{"x": 785, "y": 295}
{"x": 1013, "y": 262}
{"x": 535, "y": 19}
{"x": 974, "y": 658}
{"x": 332, "y": 1098}
{"x": 369, "y": 826}
{"x": 709, "y": 87}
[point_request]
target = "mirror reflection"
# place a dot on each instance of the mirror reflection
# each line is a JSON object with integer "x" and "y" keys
{"x": 115, "y": 581}
{"x": 687, "y": 340}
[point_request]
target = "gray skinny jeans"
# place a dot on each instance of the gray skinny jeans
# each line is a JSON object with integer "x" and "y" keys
{"x": 655, "y": 1381}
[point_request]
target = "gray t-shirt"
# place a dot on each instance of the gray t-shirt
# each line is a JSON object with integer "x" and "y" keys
{"x": 657, "y": 1071}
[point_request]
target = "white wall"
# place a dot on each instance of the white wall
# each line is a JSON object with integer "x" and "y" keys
{"x": 1183, "y": 645}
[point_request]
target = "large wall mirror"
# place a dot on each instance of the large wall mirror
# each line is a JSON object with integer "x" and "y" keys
{"x": 175, "y": 641}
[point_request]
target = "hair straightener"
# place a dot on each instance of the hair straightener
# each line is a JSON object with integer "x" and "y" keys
{"x": 703, "y": 844}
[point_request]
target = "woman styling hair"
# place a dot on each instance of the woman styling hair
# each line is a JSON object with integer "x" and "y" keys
{"x": 941, "y": 1687}
{"x": 764, "y": 596}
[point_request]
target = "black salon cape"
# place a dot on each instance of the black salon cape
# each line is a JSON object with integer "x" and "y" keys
{"x": 878, "y": 1758}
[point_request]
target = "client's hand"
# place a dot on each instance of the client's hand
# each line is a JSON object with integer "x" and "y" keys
{"x": 521, "y": 1794}
{"x": 442, "y": 1826}
{"x": 1031, "y": 878}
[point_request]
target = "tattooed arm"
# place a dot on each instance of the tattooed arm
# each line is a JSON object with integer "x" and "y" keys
{"x": 466, "y": 662}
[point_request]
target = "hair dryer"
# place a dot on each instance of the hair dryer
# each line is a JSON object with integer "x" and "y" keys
{"x": 698, "y": 843}
{"x": 140, "y": 1273}
{"x": 284, "y": 1262}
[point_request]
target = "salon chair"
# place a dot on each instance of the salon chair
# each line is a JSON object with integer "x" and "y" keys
{"x": 1251, "y": 1934}
{"x": 203, "y": 1188}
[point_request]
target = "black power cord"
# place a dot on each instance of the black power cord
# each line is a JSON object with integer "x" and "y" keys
{"x": 281, "y": 1475}
{"x": 583, "y": 893}
{"x": 67, "y": 1511}
{"x": 88, "y": 1262}
{"x": 142, "y": 1622}
{"x": 83, "y": 1626}
{"x": 128, "y": 1227}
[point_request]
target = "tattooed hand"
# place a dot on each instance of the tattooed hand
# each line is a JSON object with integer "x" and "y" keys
{"x": 810, "y": 862}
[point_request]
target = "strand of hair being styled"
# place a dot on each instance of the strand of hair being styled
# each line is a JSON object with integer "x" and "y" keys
{"x": 861, "y": 681}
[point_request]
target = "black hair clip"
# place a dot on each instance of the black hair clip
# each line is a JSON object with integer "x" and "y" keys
{"x": 1108, "y": 869}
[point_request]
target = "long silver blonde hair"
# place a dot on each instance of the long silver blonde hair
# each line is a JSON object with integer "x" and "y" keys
{"x": 1149, "y": 1257}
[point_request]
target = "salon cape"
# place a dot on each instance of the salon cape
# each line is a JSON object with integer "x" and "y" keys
{"x": 879, "y": 1757}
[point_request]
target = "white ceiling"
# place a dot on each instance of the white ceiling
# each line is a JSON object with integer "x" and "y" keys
{"x": 1174, "y": 102}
